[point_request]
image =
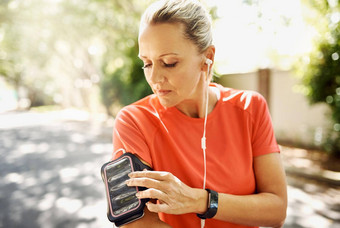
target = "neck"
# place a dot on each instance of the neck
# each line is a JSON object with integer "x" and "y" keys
{"x": 196, "y": 109}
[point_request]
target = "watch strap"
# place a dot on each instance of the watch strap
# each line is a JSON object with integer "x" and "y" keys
{"x": 212, "y": 205}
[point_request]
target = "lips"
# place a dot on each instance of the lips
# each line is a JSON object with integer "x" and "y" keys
{"x": 162, "y": 92}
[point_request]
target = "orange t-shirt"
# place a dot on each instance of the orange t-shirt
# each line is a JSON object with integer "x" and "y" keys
{"x": 238, "y": 129}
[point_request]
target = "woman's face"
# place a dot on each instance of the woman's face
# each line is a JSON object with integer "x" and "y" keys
{"x": 172, "y": 64}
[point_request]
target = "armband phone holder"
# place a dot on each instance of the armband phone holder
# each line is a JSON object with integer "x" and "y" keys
{"x": 123, "y": 205}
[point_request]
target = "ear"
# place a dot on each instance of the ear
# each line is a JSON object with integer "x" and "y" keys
{"x": 210, "y": 56}
{"x": 209, "y": 53}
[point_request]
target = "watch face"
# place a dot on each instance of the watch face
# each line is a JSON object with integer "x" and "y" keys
{"x": 213, "y": 202}
{"x": 122, "y": 197}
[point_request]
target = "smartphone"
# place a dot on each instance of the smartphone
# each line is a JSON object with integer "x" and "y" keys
{"x": 123, "y": 205}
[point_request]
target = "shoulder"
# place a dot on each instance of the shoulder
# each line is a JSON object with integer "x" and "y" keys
{"x": 247, "y": 100}
{"x": 141, "y": 111}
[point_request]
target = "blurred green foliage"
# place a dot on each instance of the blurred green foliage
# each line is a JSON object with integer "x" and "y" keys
{"x": 63, "y": 51}
{"x": 321, "y": 70}
{"x": 123, "y": 81}
{"x": 125, "y": 84}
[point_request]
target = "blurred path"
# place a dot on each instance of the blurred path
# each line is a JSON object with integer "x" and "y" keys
{"x": 50, "y": 175}
{"x": 313, "y": 189}
{"x": 50, "y": 170}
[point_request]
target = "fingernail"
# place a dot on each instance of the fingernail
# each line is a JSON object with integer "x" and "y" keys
{"x": 137, "y": 194}
{"x": 127, "y": 182}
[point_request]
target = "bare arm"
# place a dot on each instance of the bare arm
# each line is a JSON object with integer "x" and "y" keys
{"x": 149, "y": 219}
{"x": 268, "y": 206}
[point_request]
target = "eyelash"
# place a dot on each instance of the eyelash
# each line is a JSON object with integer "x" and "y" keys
{"x": 146, "y": 66}
{"x": 166, "y": 65}
{"x": 170, "y": 65}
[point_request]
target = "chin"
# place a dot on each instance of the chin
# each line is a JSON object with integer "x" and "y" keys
{"x": 166, "y": 103}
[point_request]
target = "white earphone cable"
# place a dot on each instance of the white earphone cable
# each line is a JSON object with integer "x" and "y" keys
{"x": 204, "y": 146}
{"x": 203, "y": 140}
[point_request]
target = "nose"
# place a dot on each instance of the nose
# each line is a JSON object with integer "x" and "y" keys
{"x": 156, "y": 75}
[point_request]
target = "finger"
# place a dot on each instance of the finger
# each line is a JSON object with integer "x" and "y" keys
{"x": 158, "y": 175}
{"x": 153, "y": 194}
{"x": 143, "y": 182}
{"x": 154, "y": 207}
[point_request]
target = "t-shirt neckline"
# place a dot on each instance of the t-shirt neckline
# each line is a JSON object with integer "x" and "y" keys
{"x": 180, "y": 114}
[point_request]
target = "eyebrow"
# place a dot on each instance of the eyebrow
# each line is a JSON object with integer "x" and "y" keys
{"x": 166, "y": 54}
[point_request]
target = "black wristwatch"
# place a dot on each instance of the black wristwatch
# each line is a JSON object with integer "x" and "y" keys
{"x": 212, "y": 205}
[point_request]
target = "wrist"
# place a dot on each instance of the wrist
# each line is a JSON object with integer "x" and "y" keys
{"x": 201, "y": 201}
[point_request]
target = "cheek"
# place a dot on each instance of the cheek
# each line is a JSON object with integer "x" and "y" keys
{"x": 147, "y": 78}
{"x": 188, "y": 81}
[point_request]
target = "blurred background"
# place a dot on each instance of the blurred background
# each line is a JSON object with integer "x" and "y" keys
{"x": 68, "y": 66}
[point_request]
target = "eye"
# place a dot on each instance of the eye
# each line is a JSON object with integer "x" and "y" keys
{"x": 146, "y": 66}
{"x": 170, "y": 65}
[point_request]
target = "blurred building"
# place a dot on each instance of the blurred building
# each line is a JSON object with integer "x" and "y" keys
{"x": 295, "y": 120}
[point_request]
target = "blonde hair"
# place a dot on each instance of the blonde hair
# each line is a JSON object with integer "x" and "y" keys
{"x": 190, "y": 13}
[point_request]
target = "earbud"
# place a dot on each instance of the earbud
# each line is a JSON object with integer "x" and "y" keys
{"x": 208, "y": 61}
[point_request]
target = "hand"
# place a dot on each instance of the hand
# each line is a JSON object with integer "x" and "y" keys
{"x": 174, "y": 196}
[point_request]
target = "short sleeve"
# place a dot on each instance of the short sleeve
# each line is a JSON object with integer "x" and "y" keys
{"x": 263, "y": 138}
{"x": 128, "y": 135}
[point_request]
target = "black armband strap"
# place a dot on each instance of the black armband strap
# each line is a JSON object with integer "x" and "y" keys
{"x": 123, "y": 205}
{"x": 212, "y": 205}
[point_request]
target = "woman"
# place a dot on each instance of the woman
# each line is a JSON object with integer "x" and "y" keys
{"x": 239, "y": 162}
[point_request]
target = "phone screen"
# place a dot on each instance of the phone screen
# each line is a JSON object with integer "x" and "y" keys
{"x": 122, "y": 197}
